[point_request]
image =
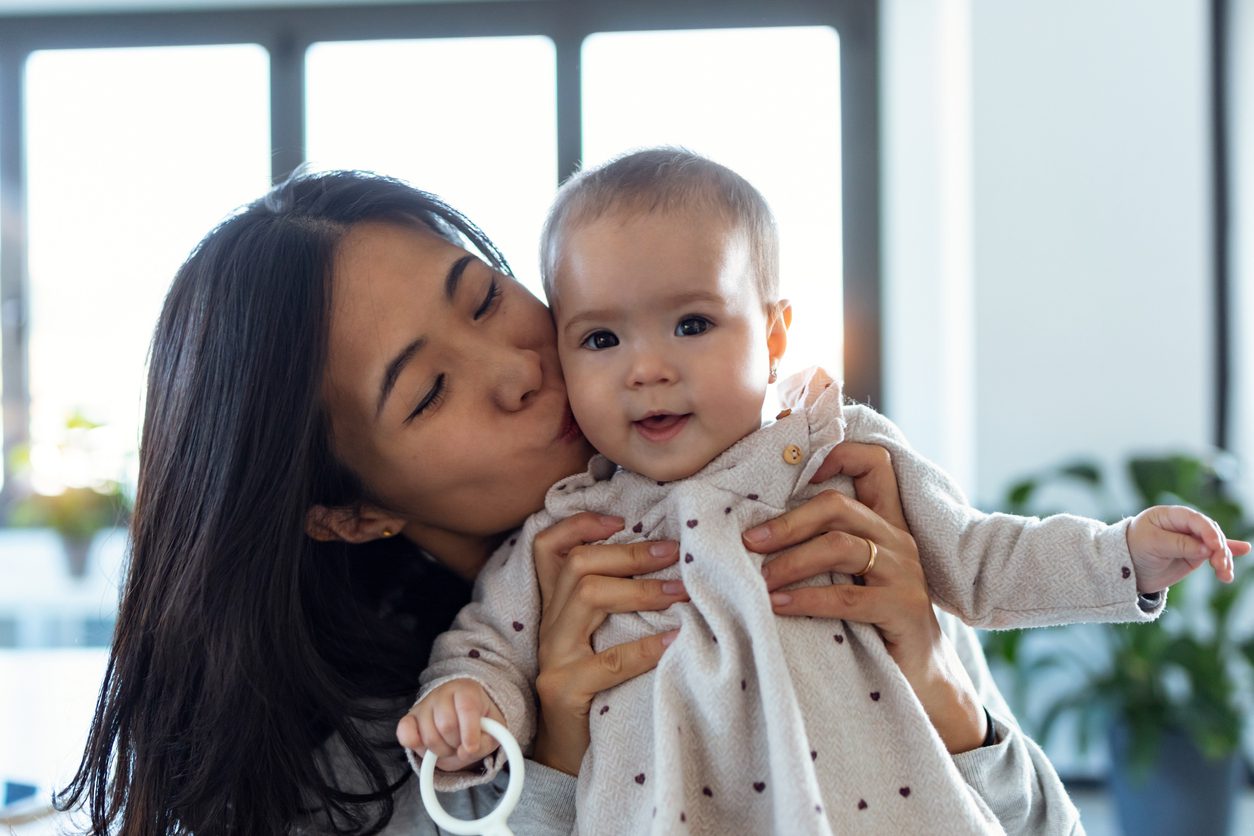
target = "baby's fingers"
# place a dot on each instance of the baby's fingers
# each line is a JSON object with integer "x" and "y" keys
{"x": 1196, "y": 537}
{"x": 407, "y": 733}
{"x": 1236, "y": 548}
{"x": 445, "y": 724}
{"x": 431, "y": 737}
{"x": 1183, "y": 520}
{"x": 470, "y": 710}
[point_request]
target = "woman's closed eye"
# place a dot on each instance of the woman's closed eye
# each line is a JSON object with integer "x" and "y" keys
{"x": 489, "y": 299}
{"x": 692, "y": 326}
{"x": 431, "y": 399}
{"x": 600, "y": 340}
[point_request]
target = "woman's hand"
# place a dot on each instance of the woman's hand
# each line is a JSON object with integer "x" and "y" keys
{"x": 833, "y": 533}
{"x": 580, "y": 585}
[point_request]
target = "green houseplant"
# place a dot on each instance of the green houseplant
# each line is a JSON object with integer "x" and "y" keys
{"x": 75, "y": 512}
{"x": 1171, "y": 696}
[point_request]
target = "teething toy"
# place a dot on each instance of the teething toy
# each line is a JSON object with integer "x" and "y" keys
{"x": 493, "y": 824}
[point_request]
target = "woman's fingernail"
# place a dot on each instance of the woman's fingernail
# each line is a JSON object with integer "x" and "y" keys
{"x": 667, "y": 638}
{"x": 611, "y": 521}
{"x": 757, "y": 535}
{"x": 665, "y": 548}
{"x": 673, "y": 587}
{"x": 780, "y": 598}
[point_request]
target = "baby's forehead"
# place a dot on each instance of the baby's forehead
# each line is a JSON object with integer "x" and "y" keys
{"x": 693, "y": 227}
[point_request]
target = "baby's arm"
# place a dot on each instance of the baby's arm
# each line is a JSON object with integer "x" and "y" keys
{"x": 491, "y": 644}
{"x": 999, "y": 570}
{"x": 446, "y": 721}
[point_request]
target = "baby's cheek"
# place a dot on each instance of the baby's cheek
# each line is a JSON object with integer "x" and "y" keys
{"x": 595, "y": 413}
{"x": 580, "y": 385}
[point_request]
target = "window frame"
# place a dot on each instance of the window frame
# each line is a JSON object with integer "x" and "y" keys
{"x": 287, "y": 32}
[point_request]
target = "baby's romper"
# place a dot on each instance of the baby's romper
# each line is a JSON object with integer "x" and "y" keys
{"x": 754, "y": 723}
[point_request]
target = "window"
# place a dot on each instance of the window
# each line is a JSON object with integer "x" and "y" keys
{"x": 132, "y": 154}
{"x": 123, "y": 138}
{"x": 484, "y": 140}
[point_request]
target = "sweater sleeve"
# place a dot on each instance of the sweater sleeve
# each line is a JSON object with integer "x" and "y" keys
{"x": 1013, "y": 777}
{"x": 493, "y": 641}
{"x": 547, "y": 804}
{"x": 999, "y": 570}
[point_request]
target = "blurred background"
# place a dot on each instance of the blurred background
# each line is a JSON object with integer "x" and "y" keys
{"x": 1024, "y": 231}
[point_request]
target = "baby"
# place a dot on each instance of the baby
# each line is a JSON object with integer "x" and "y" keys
{"x": 661, "y": 270}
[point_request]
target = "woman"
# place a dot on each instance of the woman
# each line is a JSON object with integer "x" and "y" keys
{"x": 347, "y": 412}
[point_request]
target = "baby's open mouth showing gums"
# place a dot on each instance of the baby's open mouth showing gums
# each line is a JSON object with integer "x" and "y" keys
{"x": 661, "y": 427}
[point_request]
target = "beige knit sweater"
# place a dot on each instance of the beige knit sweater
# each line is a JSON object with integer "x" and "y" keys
{"x": 754, "y": 723}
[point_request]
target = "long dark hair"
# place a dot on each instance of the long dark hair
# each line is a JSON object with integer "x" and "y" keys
{"x": 242, "y": 645}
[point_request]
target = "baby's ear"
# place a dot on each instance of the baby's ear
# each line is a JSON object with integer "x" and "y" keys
{"x": 778, "y": 321}
{"x": 351, "y": 524}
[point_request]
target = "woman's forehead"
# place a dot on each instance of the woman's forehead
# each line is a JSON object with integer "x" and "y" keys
{"x": 380, "y": 254}
{"x": 387, "y": 290}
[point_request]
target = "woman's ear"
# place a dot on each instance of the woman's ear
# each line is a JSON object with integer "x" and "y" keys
{"x": 779, "y": 320}
{"x": 351, "y": 524}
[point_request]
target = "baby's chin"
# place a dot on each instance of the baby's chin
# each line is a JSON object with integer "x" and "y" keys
{"x": 661, "y": 471}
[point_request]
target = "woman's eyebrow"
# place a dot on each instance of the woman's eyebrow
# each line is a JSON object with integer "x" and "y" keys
{"x": 394, "y": 368}
{"x": 455, "y": 275}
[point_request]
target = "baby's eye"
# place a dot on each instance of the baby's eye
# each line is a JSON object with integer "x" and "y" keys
{"x": 599, "y": 340}
{"x": 691, "y": 326}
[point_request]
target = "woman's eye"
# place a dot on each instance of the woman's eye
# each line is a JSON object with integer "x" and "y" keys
{"x": 599, "y": 340}
{"x": 430, "y": 400}
{"x": 691, "y": 326}
{"x": 489, "y": 298}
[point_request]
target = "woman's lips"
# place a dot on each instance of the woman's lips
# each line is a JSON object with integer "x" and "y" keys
{"x": 570, "y": 429}
{"x": 659, "y": 428}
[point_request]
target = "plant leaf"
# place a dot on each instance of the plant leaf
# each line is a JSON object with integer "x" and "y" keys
{"x": 1019, "y": 494}
{"x": 1084, "y": 471}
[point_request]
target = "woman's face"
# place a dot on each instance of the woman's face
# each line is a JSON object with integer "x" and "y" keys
{"x": 443, "y": 387}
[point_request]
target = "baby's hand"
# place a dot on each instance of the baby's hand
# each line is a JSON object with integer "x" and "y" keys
{"x": 446, "y": 721}
{"x": 1168, "y": 542}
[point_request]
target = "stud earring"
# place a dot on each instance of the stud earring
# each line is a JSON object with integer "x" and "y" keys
{"x": 387, "y": 532}
{"x": 774, "y": 374}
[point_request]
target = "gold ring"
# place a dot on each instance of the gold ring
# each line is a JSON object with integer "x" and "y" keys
{"x": 870, "y": 561}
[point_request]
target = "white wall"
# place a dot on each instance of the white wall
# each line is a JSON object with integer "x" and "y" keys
{"x": 1047, "y": 238}
{"x": 1086, "y": 297}
{"x": 928, "y": 295}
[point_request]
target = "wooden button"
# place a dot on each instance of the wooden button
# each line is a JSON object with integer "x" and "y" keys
{"x": 783, "y": 414}
{"x": 792, "y": 454}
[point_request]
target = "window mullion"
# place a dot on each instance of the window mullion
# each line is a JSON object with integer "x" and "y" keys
{"x": 287, "y": 105}
{"x": 14, "y": 391}
{"x": 569, "y": 103}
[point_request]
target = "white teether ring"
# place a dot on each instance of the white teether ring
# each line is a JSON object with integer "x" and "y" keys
{"x": 493, "y": 824}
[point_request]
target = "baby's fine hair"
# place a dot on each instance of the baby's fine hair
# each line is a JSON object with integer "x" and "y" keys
{"x": 664, "y": 179}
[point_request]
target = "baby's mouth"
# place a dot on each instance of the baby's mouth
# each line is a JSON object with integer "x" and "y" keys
{"x": 661, "y": 427}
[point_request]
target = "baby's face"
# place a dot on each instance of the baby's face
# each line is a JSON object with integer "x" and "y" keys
{"x": 662, "y": 337}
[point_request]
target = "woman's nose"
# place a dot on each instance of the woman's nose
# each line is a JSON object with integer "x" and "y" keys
{"x": 519, "y": 374}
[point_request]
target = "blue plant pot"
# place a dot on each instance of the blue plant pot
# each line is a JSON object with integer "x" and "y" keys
{"x": 1181, "y": 792}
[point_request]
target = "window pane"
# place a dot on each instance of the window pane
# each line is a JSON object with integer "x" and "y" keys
{"x": 132, "y": 155}
{"x": 765, "y": 102}
{"x": 471, "y": 119}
